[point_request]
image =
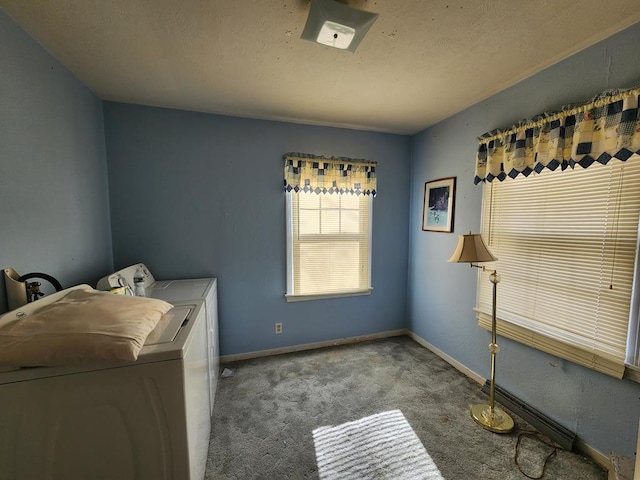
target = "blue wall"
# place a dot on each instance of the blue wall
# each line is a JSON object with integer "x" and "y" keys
{"x": 196, "y": 194}
{"x": 200, "y": 195}
{"x": 603, "y": 411}
{"x": 54, "y": 215}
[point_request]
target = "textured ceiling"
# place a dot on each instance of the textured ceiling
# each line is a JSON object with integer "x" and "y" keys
{"x": 422, "y": 61}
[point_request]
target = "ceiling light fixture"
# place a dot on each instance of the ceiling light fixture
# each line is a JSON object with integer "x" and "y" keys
{"x": 337, "y": 25}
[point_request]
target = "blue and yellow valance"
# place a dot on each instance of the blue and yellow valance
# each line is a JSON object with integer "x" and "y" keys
{"x": 309, "y": 173}
{"x": 607, "y": 127}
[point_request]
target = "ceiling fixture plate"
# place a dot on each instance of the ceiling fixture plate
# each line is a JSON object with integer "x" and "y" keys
{"x": 337, "y": 25}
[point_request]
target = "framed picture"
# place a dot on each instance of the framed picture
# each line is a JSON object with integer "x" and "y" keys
{"x": 439, "y": 203}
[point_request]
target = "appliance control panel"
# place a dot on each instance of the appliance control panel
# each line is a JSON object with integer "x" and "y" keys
{"x": 124, "y": 278}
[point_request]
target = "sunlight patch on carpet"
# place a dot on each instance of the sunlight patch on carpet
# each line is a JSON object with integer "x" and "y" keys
{"x": 381, "y": 447}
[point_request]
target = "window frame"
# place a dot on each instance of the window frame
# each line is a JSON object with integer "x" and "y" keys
{"x": 632, "y": 367}
{"x": 553, "y": 345}
{"x": 290, "y": 295}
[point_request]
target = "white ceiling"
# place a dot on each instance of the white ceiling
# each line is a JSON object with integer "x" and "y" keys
{"x": 422, "y": 60}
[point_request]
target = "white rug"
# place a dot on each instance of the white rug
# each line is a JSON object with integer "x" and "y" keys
{"x": 381, "y": 447}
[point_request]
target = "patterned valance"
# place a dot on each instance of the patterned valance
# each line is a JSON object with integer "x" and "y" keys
{"x": 607, "y": 127}
{"x": 309, "y": 173}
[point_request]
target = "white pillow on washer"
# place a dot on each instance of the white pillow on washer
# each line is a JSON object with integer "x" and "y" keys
{"x": 85, "y": 325}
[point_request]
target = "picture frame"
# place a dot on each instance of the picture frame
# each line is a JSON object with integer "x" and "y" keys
{"x": 439, "y": 205}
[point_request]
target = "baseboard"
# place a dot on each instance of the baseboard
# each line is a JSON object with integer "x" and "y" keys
{"x": 585, "y": 449}
{"x": 542, "y": 423}
{"x": 312, "y": 346}
{"x": 595, "y": 455}
{"x": 450, "y": 360}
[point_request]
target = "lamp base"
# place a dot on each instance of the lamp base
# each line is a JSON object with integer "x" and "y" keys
{"x": 497, "y": 421}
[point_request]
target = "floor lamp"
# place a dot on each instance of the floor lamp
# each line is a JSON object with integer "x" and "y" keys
{"x": 472, "y": 249}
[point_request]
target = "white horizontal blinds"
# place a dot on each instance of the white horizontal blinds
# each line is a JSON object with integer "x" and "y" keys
{"x": 566, "y": 245}
{"x": 330, "y": 243}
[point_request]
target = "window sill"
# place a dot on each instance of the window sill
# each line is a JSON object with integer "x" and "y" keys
{"x": 550, "y": 343}
{"x": 304, "y": 298}
{"x": 632, "y": 373}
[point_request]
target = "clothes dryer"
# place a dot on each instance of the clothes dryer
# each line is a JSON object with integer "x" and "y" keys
{"x": 174, "y": 292}
{"x": 148, "y": 419}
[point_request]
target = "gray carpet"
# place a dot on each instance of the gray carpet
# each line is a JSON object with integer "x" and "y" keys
{"x": 266, "y": 411}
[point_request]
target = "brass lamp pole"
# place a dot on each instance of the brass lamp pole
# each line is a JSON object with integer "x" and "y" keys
{"x": 472, "y": 249}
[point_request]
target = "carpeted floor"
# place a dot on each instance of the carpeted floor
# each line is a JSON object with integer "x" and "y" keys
{"x": 266, "y": 411}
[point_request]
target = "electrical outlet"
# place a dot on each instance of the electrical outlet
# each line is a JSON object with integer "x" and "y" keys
{"x": 278, "y": 328}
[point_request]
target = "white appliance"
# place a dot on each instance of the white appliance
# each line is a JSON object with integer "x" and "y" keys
{"x": 177, "y": 292}
{"x": 142, "y": 420}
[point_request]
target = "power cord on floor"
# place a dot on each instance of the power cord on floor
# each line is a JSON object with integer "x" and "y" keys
{"x": 536, "y": 436}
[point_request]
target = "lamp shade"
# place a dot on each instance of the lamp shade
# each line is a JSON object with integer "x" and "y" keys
{"x": 337, "y": 25}
{"x": 471, "y": 249}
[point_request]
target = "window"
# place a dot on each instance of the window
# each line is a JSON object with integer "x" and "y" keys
{"x": 566, "y": 244}
{"x": 328, "y": 244}
{"x": 328, "y": 225}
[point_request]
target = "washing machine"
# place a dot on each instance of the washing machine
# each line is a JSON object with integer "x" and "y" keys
{"x": 142, "y": 420}
{"x": 176, "y": 292}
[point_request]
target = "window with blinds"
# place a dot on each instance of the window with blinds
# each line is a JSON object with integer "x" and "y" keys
{"x": 566, "y": 244}
{"x": 328, "y": 244}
